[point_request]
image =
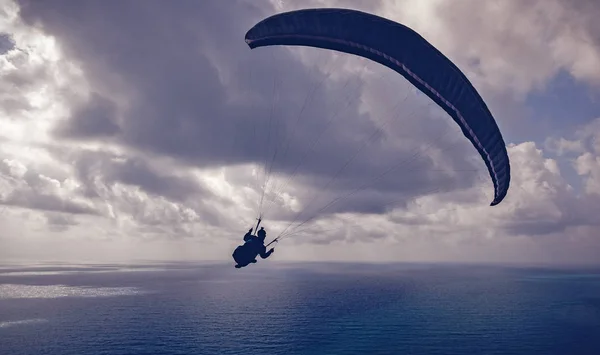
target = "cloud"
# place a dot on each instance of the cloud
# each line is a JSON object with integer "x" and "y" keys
{"x": 60, "y": 222}
{"x": 543, "y": 219}
{"x": 96, "y": 118}
{"x": 6, "y": 43}
{"x": 162, "y": 120}
{"x": 587, "y": 163}
{"x": 200, "y": 108}
{"x": 26, "y": 188}
{"x": 511, "y": 46}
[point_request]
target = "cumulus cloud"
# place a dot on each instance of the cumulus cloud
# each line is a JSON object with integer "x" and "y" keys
{"x": 587, "y": 163}
{"x": 162, "y": 120}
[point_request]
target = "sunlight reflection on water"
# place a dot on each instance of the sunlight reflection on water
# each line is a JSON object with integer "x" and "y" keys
{"x": 54, "y": 291}
{"x": 22, "y": 322}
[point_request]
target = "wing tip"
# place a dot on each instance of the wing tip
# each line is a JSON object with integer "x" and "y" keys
{"x": 498, "y": 199}
{"x": 248, "y": 38}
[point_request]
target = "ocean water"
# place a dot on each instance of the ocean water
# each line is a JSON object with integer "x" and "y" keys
{"x": 274, "y": 308}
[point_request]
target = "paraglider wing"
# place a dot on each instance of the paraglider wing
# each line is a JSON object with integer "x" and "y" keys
{"x": 406, "y": 52}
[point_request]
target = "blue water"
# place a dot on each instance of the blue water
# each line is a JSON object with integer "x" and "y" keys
{"x": 298, "y": 309}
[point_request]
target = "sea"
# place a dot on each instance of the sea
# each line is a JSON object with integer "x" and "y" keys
{"x": 298, "y": 308}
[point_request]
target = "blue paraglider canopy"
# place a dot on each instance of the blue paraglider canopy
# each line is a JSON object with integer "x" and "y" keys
{"x": 406, "y": 52}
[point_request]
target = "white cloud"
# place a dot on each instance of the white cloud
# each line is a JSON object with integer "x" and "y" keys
{"x": 562, "y": 146}
{"x": 588, "y": 165}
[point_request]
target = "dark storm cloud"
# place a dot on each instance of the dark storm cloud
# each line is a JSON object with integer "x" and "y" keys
{"x": 194, "y": 91}
{"x": 95, "y": 118}
{"x": 177, "y": 104}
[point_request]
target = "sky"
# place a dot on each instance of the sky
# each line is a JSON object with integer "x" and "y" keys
{"x": 150, "y": 131}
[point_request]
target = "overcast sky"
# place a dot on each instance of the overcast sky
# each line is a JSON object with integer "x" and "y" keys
{"x": 149, "y": 130}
